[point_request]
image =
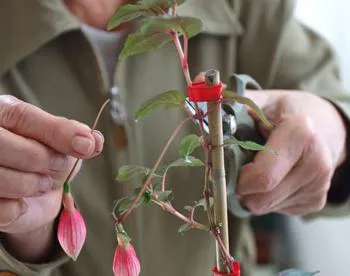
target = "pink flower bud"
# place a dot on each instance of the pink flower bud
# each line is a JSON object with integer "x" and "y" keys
{"x": 125, "y": 261}
{"x": 71, "y": 228}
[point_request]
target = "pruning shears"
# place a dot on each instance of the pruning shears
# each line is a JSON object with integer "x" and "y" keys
{"x": 239, "y": 124}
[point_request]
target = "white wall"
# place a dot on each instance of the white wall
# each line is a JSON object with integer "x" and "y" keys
{"x": 324, "y": 244}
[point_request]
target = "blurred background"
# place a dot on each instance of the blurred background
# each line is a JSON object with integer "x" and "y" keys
{"x": 323, "y": 244}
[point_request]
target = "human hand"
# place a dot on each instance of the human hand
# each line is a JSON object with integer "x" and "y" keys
{"x": 37, "y": 151}
{"x": 308, "y": 143}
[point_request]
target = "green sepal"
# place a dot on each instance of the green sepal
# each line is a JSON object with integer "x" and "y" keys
{"x": 122, "y": 235}
{"x": 67, "y": 189}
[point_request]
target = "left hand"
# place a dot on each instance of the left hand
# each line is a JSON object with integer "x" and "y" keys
{"x": 308, "y": 144}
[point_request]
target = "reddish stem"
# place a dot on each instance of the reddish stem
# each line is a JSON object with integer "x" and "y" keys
{"x": 164, "y": 180}
{"x": 148, "y": 181}
{"x": 174, "y": 9}
{"x": 183, "y": 58}
{"x": 169, "y": 208}
{"x": 225, "y": 254}
{"x": 92, "y": 129}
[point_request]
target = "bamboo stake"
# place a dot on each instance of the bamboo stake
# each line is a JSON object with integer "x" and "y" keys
{"x": 212, "y": 77}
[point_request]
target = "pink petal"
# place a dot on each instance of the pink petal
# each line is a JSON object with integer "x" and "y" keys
{"x": 71, "y": 232}
{"x": 125, "y": 261}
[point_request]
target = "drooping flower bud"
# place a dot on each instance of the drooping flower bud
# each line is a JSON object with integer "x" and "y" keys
{"x": 71, "y": 231}
{"x": 125, "y": 262}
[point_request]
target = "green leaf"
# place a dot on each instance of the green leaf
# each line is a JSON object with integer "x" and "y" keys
{"x": 155, "y": 33}
{"x": 188, "y": 144}
{"x": 129, "y": 171}
{"x": 247, "y": 145}
{"x": 202, "y": 203}
{"x": 156, "y": 179}
{"x": 139, "y": 43}
{"x": 127, "y": 13}
{"x": 185, "y": 227}
{"x": 123, "y": 204}
{"x": 168, "y": 99}
{"x": 188, "y": 26}
{"x": 190, "y": 161}
{"x": 229, "y": 95}
{"x": 145, "y": 197}
{"x": 164, "y": 196}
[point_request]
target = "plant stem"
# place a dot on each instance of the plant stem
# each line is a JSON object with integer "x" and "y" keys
{"x": 227, "y": 259}
{"x": 183, "y": 57}
{"x": 92, "y": 129}
{"x": 169, "y": 208}
{"x": 206, "y": 189}
{"x": 164, "y": 180}
{"x": 218, "y": 169}
{"x": 148, "y": 181}
{"x": 185, "y": 60}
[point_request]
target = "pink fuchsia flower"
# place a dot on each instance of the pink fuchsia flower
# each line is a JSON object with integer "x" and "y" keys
{"x": 71, "y": 231}
{"x": 125, "y": 261}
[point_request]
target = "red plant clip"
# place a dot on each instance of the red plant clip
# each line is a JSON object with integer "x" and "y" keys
{"x": 200, "y": 92}
{"x": 235, "y": 268}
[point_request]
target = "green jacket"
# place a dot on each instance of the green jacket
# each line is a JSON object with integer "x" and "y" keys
{"x": 45, "y": 59}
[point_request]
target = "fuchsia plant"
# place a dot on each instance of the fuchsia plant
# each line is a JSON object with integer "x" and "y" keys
{"x": 158, "y": 24}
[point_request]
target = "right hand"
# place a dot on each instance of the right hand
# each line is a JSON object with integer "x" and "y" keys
{"x": 37, "y": 151}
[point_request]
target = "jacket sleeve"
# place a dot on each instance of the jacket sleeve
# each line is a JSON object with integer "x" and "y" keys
{"x": 11, "y": 266}
{"x": 281, "y": 53}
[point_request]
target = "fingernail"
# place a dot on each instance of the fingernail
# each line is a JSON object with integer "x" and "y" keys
{"x": 45, "y": 184}
{"x": 59, "y": 163}
{"x": 99, "y": 140}
{"x": 23, "y": 207}
{"x": 82, "y": 145}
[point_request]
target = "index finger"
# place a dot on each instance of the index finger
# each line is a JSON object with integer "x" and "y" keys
{"x": 65, "y": 136}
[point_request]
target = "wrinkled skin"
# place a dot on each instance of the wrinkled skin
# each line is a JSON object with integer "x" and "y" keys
{"x": 37, "y": 152}
{"x": 308, "y": 143}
